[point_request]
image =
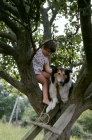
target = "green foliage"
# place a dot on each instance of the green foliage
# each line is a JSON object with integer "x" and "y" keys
{"x": 6, "y": 102}
{"x": 86, "y": 121}
{"x": 8, "y": 96}
{"x": 8, "y": 64}
{"x": 2, "y": 26}
{"x": 83, "y": 126}
{"x": 69, "y": 50}
{"x": 58, "y": 3}
{"x": 29, "y": 114}
{"x": 77, "y": 130}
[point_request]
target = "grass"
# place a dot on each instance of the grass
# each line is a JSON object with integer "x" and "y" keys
{"x": 11, "y": 132}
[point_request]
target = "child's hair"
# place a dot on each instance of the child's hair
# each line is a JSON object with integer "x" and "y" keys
{"x": 50, "y": 44}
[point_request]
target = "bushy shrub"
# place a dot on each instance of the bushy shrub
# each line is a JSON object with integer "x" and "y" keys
{"x": 29, "y": 114}
{"x": 77, "y": 130}
{"x": 4, "y": 120}
{"x": 86, "y": 121}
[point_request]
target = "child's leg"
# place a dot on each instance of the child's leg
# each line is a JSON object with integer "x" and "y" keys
{"x": 46, "y": 75}
{"x": 41, "y": 79}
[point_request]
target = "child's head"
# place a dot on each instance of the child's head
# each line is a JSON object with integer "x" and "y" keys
{"x": 49, "y": 45}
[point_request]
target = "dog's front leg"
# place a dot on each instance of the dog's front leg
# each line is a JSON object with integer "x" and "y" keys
{"x": 53, "y": 95}
{"x": 49, "y": 107}
{"x": 54, "y": 102}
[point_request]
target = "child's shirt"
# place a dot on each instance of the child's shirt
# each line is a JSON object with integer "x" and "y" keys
{"x": 39, "y": 60}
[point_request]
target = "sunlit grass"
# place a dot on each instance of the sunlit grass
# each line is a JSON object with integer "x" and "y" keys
{"x": 13, "y": 132}
{"x": 10, "y": 132}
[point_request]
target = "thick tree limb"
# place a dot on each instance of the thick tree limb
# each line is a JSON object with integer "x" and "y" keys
{"x": 90, "y": 96}
{"x": 8, "y": 36}
{"x": 88, "y": 92}
{"x": 7, "y": 49}
{"x": 17, "y": 84}
{"x": 21, "y": 9}
{"x": 8, "y": 22}
{"x": 82, "y": 84}
{"x": 85, "y": 18}
{"x": 9, "y": 8}
{"x": 46, "y": 24}
{"x": 53, "y": 16}
{"x": 88, "y": 102}
{"x": 55, "y": 11}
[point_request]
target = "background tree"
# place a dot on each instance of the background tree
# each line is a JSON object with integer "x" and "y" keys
{"x": 8, "y": 96}
{"x": 6, "y": 102}
{"x": 19, "y": 23}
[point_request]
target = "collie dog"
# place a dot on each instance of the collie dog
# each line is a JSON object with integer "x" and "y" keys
{"x": 60, "y": 86}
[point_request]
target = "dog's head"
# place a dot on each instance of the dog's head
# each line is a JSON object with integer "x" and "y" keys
{"x": 62, "y": 76}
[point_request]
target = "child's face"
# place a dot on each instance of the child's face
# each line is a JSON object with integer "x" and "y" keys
{"x": 46, "y": 52}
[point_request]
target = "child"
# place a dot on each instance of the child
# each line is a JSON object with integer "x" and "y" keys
{"x": 42, "y": 68}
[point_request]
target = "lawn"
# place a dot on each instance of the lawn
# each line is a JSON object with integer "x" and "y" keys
{"x": 11, "y": 132}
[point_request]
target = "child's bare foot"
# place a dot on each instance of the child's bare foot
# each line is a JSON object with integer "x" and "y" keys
{"x": 46, "y": 101}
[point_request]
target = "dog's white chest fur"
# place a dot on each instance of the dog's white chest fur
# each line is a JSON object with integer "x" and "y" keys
{"x": 53, "y": 96}
{"x": 52, "y": 90}
{"x": 64, "y": 91}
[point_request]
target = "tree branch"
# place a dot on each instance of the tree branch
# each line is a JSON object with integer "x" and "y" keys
{"x": 54, "y": 11}
{"x": 17, "y": 84}
{"x": 5, "y": 18}
{"x": 7, "y": 49}
{"x": 21, "y": 9}
{"x": 82, "y": 84}
{"x": 8, "y": 36}
{"x": 87, "y": 102}
{"x": 88, "y": 92}
{"x": 46, "y": 24}
{"x": 10, "y": 8}
{"x": 85, "y": 18}
{"x": 53, "y": 16}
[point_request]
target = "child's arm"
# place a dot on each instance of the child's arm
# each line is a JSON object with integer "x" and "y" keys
{"x": 47, "y": 68}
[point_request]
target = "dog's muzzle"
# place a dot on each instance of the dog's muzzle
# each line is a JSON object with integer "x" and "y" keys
{"x": 60, "y": 82}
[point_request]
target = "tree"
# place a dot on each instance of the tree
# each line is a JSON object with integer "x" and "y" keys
{"x": 19, "y": 23}
{"x": 6, "y": 102}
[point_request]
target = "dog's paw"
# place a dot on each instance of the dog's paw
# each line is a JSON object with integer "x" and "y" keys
{"x": 49, "y": 107}
{"x": 54, "y": 102}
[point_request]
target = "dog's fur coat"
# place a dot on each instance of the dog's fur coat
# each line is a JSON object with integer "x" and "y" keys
{"x": 61, "y": 80}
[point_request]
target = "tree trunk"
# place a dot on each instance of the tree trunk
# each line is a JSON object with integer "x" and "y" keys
{"x": 27, "y": 76}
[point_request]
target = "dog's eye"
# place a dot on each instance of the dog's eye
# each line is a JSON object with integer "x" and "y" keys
{"x": 58, "y": 73}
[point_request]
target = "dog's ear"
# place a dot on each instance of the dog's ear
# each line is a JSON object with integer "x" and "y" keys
{"x": 54, "y": 69}
{"x": 68, "y": 70}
